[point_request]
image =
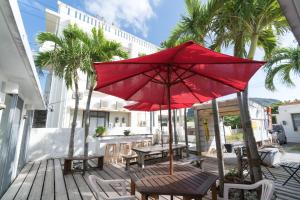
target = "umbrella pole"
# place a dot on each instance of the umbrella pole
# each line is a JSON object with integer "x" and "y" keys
{"x": 186, "y": 134}
{"x": 161, "y": 129}
{"x": 170, "y": 124}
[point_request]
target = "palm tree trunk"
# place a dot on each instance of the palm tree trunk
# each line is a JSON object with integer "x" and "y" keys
{"x": 218, "y": 145}
{"x": 87, "y": 125}
{"x": 245, "y": 135}
{"x": 71, "y": 142}
{"x": 254, "y": 156}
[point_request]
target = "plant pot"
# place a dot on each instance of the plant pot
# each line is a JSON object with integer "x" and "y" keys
{"x": 228, "y": 147}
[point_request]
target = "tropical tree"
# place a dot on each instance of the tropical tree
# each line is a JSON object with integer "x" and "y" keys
{"x": 282, "y": 63}
{"x": 66, "y": 57}
{"x": 98, "y": 49}
{"x": 196, "y": 25}
{"x": 256, "y": 23}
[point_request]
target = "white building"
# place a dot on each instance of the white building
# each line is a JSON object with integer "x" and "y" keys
{"x": 20, "y": 93}
{"x": 106, "y": 110}
{"x": 204, "y": 123}
{"x": 289, "y": 117}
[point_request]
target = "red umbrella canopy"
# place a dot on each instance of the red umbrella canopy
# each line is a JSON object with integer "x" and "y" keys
{"x": 154, "y": 107}
{"x": 193, "y": 74}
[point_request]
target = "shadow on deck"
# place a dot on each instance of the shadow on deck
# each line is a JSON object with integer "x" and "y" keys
{"x": 44, "y": 180}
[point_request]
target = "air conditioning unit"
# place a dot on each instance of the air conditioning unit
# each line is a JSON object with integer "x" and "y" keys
{"x": 79, "y": 93}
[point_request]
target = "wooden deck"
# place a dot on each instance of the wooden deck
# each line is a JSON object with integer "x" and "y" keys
{"x": 44, "y": 180}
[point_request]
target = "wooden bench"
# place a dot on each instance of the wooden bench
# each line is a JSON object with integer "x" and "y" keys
{"x": 129, "y": 158}
{"x": 68, "y": 162}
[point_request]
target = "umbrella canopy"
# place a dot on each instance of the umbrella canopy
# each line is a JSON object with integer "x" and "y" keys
{"x": 155, "y": 107}
{"x": 188, "y": 73}
{"x": 194, "y": 73}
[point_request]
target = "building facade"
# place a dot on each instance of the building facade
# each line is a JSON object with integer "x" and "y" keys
{"x": 204, "y": 123}
{"x": 289, "y": 117}
{"x": 106, "y": 110}
{"x": 20, "y": 93}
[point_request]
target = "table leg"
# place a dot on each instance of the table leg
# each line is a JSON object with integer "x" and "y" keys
{"x": 142, "y": 160}
{"x": 67, "y": 166}
{"x": 132, "y": 187}
{"x": 214, "y": 192}
{"x": 291, "y": 175}
{"x": 100, "y": 162}
{"x": 155, "y": 197}
{"x": 180, "y": 153}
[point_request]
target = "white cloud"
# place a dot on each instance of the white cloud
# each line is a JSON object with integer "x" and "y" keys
{"x": 124, "y": 13}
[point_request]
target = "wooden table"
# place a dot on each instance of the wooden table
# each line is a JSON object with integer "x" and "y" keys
{"x": 189, "y": 184}
{"x": 143, "y": 151}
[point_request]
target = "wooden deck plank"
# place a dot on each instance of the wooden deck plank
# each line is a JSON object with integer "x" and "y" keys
{"x": 49, "y": 190}
{"x": 60, "y": 187}
{"x": 37, "y": 186}
{"x": 84, "y": 189}
{"x": 72, "y": 189}
{"x": 17, "y": 183}
{"x": 26, "y": 186}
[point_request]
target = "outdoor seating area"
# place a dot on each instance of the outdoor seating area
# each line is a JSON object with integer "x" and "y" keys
{"x": 103, "y": 100}
{"x": 44, "y": 179}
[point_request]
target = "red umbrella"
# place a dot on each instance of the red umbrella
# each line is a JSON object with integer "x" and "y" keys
{"x": 188, "y": 73}
{"x": 155, "y": 107}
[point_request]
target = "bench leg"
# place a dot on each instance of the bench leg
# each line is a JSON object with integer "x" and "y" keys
{"x": 100, "y": 162}
{"x": 213, "y": 192}
{"x": 132, "y": 187}
{"x": 67, "y": 166}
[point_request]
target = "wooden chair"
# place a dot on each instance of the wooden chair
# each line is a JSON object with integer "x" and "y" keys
{"x": 111, "y": 154}
{"x": 124, "y": 150}
{"x": 267, "y": 188}
{"x": 96, "y": 182}
{"x": 147, "y": 143}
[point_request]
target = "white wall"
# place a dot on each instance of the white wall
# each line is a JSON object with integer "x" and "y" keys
{"x": 285, "y": 114}
{"x": 53, "y": 142}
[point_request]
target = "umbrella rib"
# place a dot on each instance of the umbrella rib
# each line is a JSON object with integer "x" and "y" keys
{"x": 136, "y": 74}
{"x": 141, "y": 86}
{"x": 186, "y": 70}
{"x": 188, "y": 88}
{"x": 209, "y": 77}
{"x": 153, "y": 79}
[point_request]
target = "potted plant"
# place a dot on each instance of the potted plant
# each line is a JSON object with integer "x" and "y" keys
{"x": 100, "y": 130}
{"x": 228, "y": 147}
{"x": 126, "y": 132}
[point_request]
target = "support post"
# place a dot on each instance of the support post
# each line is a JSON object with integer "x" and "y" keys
{"x": 186, "y": 134}
{"x": 197, "y": 132}
{"x": 161, "y": 128}
{"x": 218, "y": 145}
{"x": 170, "y": 121}
{"x": 174, "y": 124}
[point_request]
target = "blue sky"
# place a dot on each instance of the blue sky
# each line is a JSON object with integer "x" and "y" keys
{"x": 151, "y": 20}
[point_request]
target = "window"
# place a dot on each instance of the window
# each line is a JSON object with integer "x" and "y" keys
{"x": 84, "y": 18}
{"x": 97, "y": 118}
{"x": 68, "y": 11}
{"x": 75, "y": 14}
{"x": 296, "y": 121}
{"x": 80, "y": 16}
{"x": 92, "y": 20}
{"x": 88, "y": 19}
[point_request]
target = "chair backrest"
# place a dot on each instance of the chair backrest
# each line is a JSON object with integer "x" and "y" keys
{"x": 267, "y": 189}
{"x": 95, "y": 187}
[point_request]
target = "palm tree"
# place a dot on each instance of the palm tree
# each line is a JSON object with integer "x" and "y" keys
{"x": 65, "y": 59}
{"x": 256, "y": 22}
{"x": 196, "y": 25}
{"x": 98, "y": 50}
{"x": 283, "y": 62}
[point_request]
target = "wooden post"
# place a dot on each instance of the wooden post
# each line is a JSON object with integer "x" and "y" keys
{"x": 197, "y": 132}
{"x": 170, "y": 121}
{"x": 218, "y": 145}
{"x": 174, "y": 124}
{"x": 186, "y": 134}
{"x": 161, "y": 128}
